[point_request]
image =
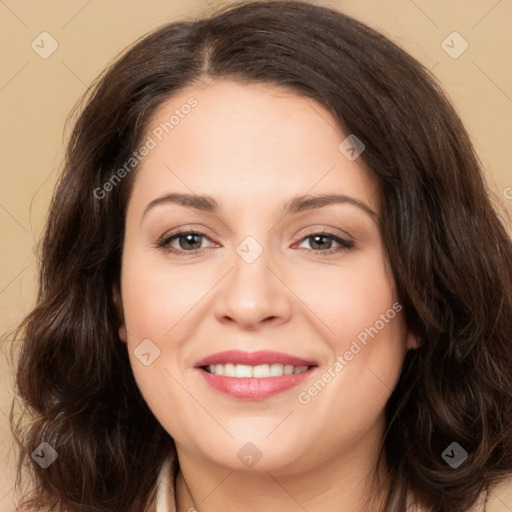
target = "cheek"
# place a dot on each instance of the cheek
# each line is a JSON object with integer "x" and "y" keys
{"x": 156, "y": 297}
{"x": 361, "y": 326}
{"x": 363, "y": 329}
{"x": 347, "y": 298}
{"x": 156, "y": 302}
{"x": 161, "y": 303}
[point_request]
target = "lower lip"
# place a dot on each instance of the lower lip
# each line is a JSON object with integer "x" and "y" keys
{"x": 250, "y": 388}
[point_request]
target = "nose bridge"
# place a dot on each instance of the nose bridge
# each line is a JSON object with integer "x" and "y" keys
{"x": 251, "y": 263}
{"x": 251, "y": 292}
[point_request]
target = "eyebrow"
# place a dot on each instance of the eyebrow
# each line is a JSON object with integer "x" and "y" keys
{"x": 296, "y": 204}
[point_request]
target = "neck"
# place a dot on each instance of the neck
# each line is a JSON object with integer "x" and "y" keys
{"x": 340, "y": 482}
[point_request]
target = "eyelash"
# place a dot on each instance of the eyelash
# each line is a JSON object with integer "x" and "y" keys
{"x": 164, "y": 242}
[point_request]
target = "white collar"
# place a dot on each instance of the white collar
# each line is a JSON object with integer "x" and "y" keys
{"x": 165, "y": 492}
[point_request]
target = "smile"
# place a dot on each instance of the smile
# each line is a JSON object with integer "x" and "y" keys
{"x": 254, "y": 375}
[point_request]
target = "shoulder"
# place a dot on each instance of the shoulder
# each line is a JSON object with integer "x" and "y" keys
{"x": 500, "y": 497}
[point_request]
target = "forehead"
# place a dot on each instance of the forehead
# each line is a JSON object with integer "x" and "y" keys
{"x": 260, "y": 141}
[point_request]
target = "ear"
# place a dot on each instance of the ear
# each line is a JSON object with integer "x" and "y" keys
{"x": 116, "y": 297}
{"x": 412, "y": 342}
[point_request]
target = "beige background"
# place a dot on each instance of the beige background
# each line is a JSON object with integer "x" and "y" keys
{"x": 36, "y": 95}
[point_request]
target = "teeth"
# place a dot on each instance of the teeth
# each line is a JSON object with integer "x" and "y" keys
{"x": 243, "y": 370}
{"x": 261, "y": 371}
{"x": 229, "y": 370}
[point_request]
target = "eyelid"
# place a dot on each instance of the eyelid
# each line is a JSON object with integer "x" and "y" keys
{"x": 187, "y": 228}
{"x": 325, "y": 228}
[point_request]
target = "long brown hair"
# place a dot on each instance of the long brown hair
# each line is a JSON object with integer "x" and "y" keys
{"x": 450, "y": 255}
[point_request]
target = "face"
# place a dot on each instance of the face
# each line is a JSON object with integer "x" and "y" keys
{"x": 257, "y": 315}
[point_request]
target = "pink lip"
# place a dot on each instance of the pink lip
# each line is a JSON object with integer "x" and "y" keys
{"x": 253, "y": 358}
{"x": 250, "y": 388}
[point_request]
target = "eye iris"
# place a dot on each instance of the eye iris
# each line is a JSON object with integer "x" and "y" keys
{"x": 321, "y": 246}
{"x": 189, "y": 238}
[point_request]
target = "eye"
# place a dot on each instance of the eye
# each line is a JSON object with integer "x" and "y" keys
{"x": 323, "y": 242}
{"x": 188, "y": 241}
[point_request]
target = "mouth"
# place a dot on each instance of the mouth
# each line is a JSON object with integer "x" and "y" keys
{"x": 254, "y": 375}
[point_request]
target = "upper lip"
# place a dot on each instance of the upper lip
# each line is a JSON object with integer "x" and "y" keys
{"x": 253, "y": 358}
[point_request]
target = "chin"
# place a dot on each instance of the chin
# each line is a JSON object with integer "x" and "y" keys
{"x": 257, "y": 454}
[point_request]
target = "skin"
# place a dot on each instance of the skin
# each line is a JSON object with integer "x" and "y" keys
{"x": 252, "y": 147}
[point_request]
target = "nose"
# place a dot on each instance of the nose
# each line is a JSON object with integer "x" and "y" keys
{"x": 253, "y": 295}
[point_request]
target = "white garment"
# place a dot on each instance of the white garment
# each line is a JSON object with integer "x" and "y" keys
{"x": 165, "y": 492}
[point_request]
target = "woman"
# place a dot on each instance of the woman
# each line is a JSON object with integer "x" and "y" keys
{"x": 338, "y": 335}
